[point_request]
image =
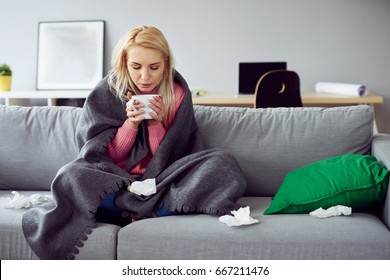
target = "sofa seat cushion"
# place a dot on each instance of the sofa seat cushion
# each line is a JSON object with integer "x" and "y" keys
{"x": 284, "y": 236}
{"x": 101, "y": 243}
{"x": 357, "y": 181}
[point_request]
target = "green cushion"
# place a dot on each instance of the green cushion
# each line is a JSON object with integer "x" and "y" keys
{"x": 352, "y": 180}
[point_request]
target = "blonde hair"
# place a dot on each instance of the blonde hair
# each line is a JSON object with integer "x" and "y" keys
{"x": 119, "y": 77}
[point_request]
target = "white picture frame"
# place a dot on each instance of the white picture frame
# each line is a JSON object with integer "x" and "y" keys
{"x": 70, "y": 55}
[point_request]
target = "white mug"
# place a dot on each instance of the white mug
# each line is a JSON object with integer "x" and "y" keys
{"x": 145, "y": 100}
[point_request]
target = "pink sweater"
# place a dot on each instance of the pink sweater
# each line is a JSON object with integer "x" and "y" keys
{"x": 123, "y": 141}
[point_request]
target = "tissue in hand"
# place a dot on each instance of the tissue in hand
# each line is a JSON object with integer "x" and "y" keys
{"x": 146, "y": 187}
{"x": 240, "y": 217}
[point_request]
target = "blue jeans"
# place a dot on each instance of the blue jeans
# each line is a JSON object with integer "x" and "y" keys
{"x": 108, "y": 203}
{"x": 162, "y": 212}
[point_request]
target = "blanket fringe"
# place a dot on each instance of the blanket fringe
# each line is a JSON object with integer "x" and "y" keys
{"x": 91, "y": 224}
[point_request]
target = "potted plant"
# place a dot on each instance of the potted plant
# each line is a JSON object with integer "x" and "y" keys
{"x": 5, "y": 77}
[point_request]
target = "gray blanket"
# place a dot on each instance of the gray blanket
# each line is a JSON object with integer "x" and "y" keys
{"x": 188, "y": 178}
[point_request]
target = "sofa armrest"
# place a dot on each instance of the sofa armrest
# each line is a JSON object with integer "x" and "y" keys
{"x": 380, "y": 149}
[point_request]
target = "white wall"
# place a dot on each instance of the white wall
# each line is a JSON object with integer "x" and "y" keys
{"x": 322, "y": 40}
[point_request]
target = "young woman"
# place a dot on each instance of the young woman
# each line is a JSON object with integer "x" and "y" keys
{"x": 143, "y": 64}
{"x": 118, "y": 148}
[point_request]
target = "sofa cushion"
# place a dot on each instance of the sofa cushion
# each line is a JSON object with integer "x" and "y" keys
{"x": 35, "y": 142}
{"x": 283, "y": 237}
{"x": 352, "y": 180}
{"x": 270, "y": 142}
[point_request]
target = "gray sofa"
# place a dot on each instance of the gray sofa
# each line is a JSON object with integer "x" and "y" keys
{"x": 36, "y": 141}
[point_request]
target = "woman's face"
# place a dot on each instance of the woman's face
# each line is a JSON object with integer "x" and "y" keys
{"x": 146, "y": 67}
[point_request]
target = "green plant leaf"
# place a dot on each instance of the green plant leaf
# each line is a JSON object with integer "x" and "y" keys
{"x": 5, "y": 70}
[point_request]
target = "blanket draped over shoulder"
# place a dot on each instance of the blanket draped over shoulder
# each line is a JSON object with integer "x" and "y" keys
{"x": 188, "y": 180}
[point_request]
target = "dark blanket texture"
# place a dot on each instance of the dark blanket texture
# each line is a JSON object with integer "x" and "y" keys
{"x": 206, "y": 181}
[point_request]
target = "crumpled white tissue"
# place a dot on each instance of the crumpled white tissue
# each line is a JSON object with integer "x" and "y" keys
{"x": 146, "y": 187}
{"x": 331, "y": 212}
{"x": 240, "y": 217}
{"x": 21, "y": 201}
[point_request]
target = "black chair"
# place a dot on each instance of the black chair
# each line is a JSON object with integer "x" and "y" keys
{"x": 278, "y": 88}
